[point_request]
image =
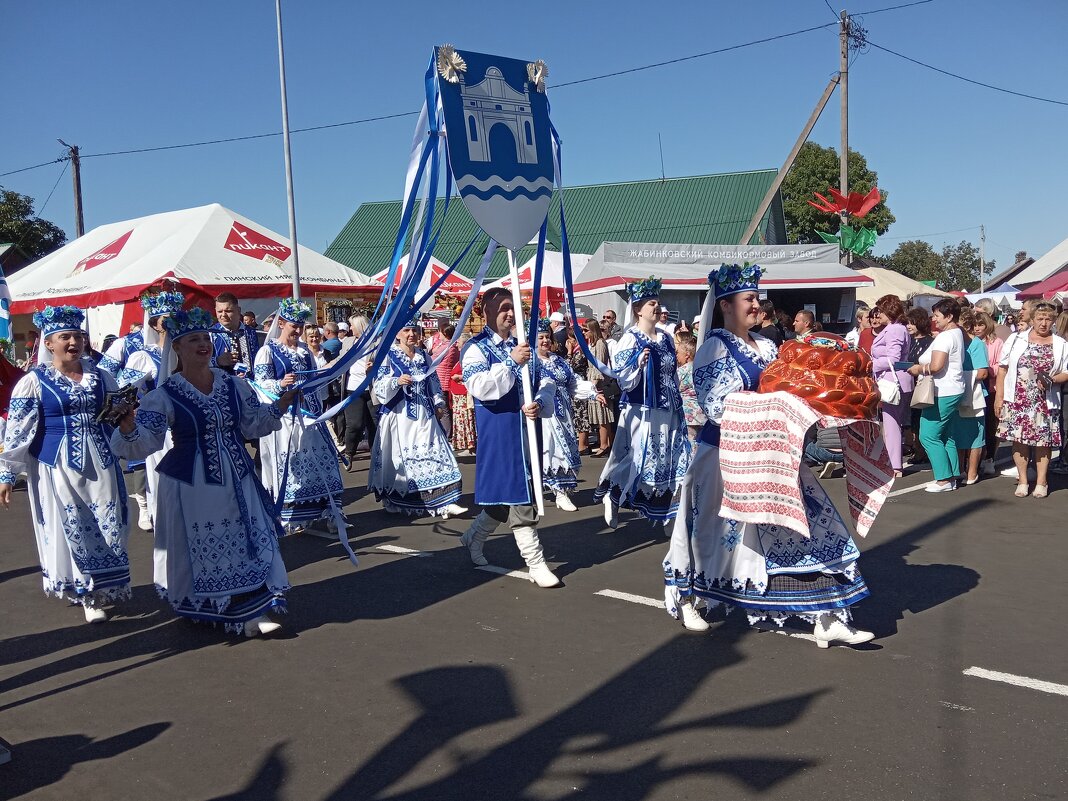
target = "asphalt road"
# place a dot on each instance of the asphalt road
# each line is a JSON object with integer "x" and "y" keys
{"x": 417, "y": 676}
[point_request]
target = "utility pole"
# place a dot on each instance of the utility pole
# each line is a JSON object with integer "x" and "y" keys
{"x": 843, "y": 89}
{"x": 982, "y": 258}
{"x": 288, "y": 157}
{"x": 76, "y": 169}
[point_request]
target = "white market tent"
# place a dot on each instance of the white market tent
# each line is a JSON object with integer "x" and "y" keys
{"x": 684, "y": 269}
{"x": 552, "y": 271}
{"x": 1043, "y": 267}
{"x": 888, "y": 282}
{"x": 209, "y": 247}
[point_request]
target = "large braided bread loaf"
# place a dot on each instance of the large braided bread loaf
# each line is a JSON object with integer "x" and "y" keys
{"x": 821, "y": 369}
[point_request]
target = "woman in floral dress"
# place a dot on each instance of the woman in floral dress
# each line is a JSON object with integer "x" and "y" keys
{"x": 579, "y": 365}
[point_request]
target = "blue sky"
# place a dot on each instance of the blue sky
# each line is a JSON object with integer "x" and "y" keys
{"x": 119, "y": 75}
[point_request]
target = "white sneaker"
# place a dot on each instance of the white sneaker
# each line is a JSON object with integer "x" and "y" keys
{"x": 691, "y": 618}
{"x": 564, "y": 502}
{"x": 261, "y": 625}
{"x": 986, "y": 468}
{"x": 144, "y": 519}
{"x": 837, "y": 631}
{"x": 94, "y": 615}
{"x": 611, "y": 512}
{"x": 542, "y": 576}
{"x": 934, "y": 486}
{"x": 1011, "y": 472}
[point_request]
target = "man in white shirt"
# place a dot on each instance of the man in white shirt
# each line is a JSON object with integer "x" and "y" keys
{"x": 492, "y": 361}
{"x": 664, "y": 323}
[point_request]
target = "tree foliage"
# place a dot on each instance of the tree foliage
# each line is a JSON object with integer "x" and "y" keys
{"x": 956, "y": 267}
{"x": 18, "y": 224}
{"x": 815, "y": 170}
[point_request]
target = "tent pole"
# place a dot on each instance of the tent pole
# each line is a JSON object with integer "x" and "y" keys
{"x": 288, "y": 156}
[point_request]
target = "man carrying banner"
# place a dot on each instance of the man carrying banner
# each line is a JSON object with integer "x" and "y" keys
{"x": 492, "y": 361}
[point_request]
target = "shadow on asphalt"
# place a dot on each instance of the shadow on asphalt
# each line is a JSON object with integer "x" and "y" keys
{"x": 898, "y": 586}
{"x": 40, "y": 763}
{"x": 576, "y": 749}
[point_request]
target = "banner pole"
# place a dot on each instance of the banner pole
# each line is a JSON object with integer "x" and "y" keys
{"x": 528, "y": 387}
{"x": 288, "y": 156}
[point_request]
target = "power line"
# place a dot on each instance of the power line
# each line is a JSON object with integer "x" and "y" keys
{"x": 894, "y": 8}
{"x": 936, "y": 233}
{"x": 968, "y": 80}
{"x": 35, "y": 166}
{"x": 40, "y": 211}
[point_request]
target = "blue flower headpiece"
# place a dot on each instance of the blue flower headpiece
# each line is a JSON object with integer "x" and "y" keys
{"x": 53, "y": 319}
{"x": 730, "y": 279}
{"x": 643, "y": 290}
{"x": 162, "y": 303}
{"x": 182, "y": 322}
{"x": 544, "y": 327}
{"x": 294, "y": 311}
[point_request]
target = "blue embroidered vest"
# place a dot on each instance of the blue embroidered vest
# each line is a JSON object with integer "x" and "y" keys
{"x": 750, "y": 371}
{"x": 417, "y": 393}
{"x": 67, "y": 419}
{"x": 658, "y": 390}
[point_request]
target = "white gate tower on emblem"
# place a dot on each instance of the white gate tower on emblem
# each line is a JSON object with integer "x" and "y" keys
{"x": 490, "y": 103}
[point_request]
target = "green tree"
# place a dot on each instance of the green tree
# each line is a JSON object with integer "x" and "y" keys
{"x": 815, "y": 170}
{"x": 916, "y": 259}
{"x": 960, "y": 264}
{"x": 18, "y": 224}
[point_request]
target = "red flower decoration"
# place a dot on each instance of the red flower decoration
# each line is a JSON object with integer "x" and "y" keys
{"x": 856, "y": 205}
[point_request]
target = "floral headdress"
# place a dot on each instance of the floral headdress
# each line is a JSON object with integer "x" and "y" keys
{"x": 643, "y": 290}
{"x": 730, "y": 279}
{"x": 180, "y": 323}
{"x": 294, "y": 311}
{"x": 162, "y": 303}
{"x": 53, "y": 319}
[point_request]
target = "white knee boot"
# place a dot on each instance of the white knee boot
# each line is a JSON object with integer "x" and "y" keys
{"x": 526, "y": 538}
{"x": 144, "y": 517}
{"x": 476, "y": 535}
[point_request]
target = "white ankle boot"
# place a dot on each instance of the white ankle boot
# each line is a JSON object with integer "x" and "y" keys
{"x": 526, "y": 538}
{"x": 564, "y": 502}
{"x": 144, "y": 517}
{"x": 543, "y": 576}
{"x": 830, "y": 630}
{"x": 611, "y": 512}
{"x": 261, "y": 625}
{"x": 453, "y": 510}
{"x": 691, "y": 618}
{"x": 94, "y": 615}
{"x": 476, "y": 535}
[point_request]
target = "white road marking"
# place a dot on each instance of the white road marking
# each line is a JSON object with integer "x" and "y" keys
{"x": 634, "y": 599}
{"x": 918, "y": 487}
{"x": 1018, "y": 681}
{"x": 503, "y": 571}
{"x": 958, "y": 707}
{"x": 401, "y": 550}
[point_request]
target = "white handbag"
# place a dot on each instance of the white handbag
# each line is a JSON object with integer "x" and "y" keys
{"x": 890, "y": 391}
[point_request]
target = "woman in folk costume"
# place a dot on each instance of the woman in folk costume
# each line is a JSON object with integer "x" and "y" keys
{"x": 413, "y": 469}
{"x": 560, "y": 460}
{"x": 770, "y": 572}
{"x": 492, "y": 361}
{"x": 216, "y": 555}
{"x": 651, "y": 451}
{"x": 142, "y": 370}
{"x": 300, "y": 462}
{"x": 77, "y": 495}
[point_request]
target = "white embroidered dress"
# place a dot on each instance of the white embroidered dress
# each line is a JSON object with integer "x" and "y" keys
{"x": 142, "y": 371}
{"x": 413, "y": 469}
{"x": 77, "y": 495}
{"x": 299, "y": 455}
{"x": 560, "y": 459}
{"x": 770, "y": 572}
{"x": 651, "y": 451}
{"x": 216, "y": 555}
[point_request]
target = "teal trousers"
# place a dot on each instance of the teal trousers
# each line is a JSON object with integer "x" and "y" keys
{"x": 936, "y": 435}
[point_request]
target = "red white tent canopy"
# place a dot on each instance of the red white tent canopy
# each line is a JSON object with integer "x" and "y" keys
{"x": 209, "y": 247}
{"x": 454, "y": 284}
{"x": 552, "y": 271}
{"x": 1056, "y": 284}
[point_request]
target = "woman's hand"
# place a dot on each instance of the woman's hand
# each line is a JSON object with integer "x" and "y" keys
{"x": 602, "y": 399}
{"x": 998, "y": 403}
{"x": 128, "y": 422}
{"x": 643, "y": 359}
{"x": 405, "y": 380}
{"x": 916, "y": 370}
{"x": 288, "y": 380}
{"x": 5, "y": 495}
{"x": 284, "y": 402}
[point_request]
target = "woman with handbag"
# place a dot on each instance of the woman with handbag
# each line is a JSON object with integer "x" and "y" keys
{"x": 602, "y": 409}
{"x": 969, "y": 431}
{"x": 891, "y": 344}
{"x": 985, "y": 329}
{"x": 938, "y": 393}
{"x": 1032, "y": 369}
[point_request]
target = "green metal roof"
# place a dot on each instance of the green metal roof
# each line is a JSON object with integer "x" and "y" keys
{"x": 701, "y": 210}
